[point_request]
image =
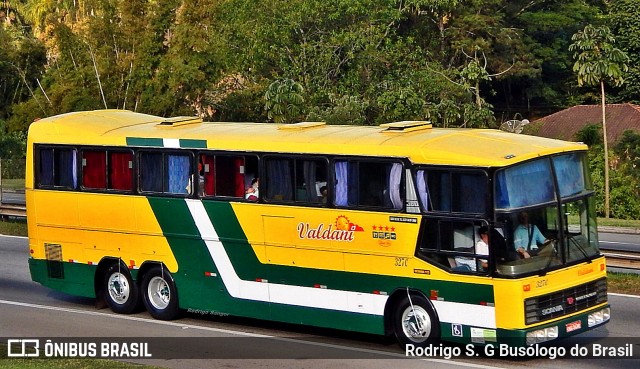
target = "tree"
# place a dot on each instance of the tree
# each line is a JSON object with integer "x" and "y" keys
{"x": 624, "y": 19}
{"x": 284, "y": 100}
{"x": 597, "y": 62}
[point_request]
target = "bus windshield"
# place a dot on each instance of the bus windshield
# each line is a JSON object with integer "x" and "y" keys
{"x": 546, "y": 223}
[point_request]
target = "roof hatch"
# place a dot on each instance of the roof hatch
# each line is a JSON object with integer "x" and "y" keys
{"x": 178, "y": 121}
{"x": 300, "y": 126}
{"x": 406, "y": 126}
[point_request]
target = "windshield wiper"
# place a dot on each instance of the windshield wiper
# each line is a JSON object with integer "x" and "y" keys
{"x": 553, "y": 255}
{"x": 577, "y": 244}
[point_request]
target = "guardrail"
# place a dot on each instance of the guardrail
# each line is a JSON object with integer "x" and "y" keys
{"x": 622, "y": 259}
{"x": 12, "y": 210}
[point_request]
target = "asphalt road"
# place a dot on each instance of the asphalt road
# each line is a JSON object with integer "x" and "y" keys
{"x": 29, "y": 310}
{"x": 619, "y": 241}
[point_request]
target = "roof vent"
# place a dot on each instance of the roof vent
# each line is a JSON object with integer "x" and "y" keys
{"x": 178, "y": 121}
{"x": 301, "y": 125}
{"x": 406, "y": 126}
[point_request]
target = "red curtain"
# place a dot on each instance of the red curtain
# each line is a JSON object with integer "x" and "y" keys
{"x": 209, "y": 176}
{"x": 121, "y": 171}
{"x": 94, "y": 169}
{"x": 239, "y": 177}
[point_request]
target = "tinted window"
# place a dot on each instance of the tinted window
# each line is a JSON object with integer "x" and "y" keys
{"x": 57, "y": 167}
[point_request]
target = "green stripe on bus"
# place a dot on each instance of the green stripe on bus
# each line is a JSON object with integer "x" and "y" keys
{"x": 77, "y": 279}
{"x": 136, "y": 141}
{"x": 184, "y": 239}
{"x": 193, "y": 144}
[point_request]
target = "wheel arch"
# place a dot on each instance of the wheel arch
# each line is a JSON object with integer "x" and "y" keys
{"x": 102, "y": 268}
{"x": 148, "y": 265}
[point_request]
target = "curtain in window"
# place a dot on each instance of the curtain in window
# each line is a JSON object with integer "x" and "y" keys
{"x": 439, "y": 184}
{"x": 423, "y": 191}
{"x": 570, "y": 174}
{"x": 309, "y": 169}
{"x": 279, "y": 179}
{"x": 120, "y": 171}
{"x": 94, "y": 169}
{"x": 45, "y": 173}
{"x": 65, "y": 168}
{"x": 151, "y": 172}
{"x": 394, "y": 185}
{"x": 342, "y": 185}
{"x": 239, "y": 177}
{"x": 179, "y": 172}
{"x": 472, "y": 194}
{"x": 209, "y": 176}
{"x": 353, "y": 192}
{"x": 526, "y": 184}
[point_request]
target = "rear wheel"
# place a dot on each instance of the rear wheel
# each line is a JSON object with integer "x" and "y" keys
{"x": 160, "y": 294}
{"x": 415, "y": 322}
{"x": 119, "y": 290}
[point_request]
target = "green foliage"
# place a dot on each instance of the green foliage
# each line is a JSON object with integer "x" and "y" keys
{"x": 628, "y": 151}
{"x": 284, "y": 100}
{"x": 597, "y": 59}
{"x": 625, "y": 178}
{"x": 590, "y": 135}
{"x": 624, "y": 19}
{"x": 341, "y": 110}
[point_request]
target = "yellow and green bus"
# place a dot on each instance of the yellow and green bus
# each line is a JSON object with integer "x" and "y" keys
{"x": 371, "y": 229}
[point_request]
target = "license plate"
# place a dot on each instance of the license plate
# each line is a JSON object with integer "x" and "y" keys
{"x": 573, "y": 326}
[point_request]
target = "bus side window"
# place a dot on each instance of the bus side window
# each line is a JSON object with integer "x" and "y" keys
{"x": 120, "y": 168}
{"x": 452, "y": 191}
{"x": 150, "y": 172}
{"x": 57, "y": 167}
{"x": 311, "y": 175}
{"x": 368, "y": 183}
{"x": 452, "y": 245}
{"x": 228, "y": 175}
{"x": 94, "y": 169}
{"x": 178, "y": 174}
{"x": 279, "y": 179}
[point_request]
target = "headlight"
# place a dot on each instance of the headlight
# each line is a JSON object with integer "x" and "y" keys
{"x": 599, "y": 317}
{"x": 542, "y": 335}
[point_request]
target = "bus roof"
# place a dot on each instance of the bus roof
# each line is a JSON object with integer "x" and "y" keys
{"x": 414, "y": 140}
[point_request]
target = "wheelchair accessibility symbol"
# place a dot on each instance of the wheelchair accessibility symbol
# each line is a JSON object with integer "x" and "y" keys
{"x": 456, "y": 330}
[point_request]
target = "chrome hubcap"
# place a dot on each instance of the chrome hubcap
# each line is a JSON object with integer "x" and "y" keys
{"x": 119, "y": 288}
{"x": 416, "y": 323}
{"x": 159, "y": 293}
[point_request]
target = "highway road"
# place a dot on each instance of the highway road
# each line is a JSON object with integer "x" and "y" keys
{"x": 28, "y": 310}
{"x": 619, "y": 241}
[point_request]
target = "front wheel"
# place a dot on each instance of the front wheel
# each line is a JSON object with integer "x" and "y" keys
{"x": 160, "y": 294}
{"x": 119, "y": 290}
{"x": 415, "y": 322}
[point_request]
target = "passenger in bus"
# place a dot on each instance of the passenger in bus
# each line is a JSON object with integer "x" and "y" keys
{"x": 252, "y": 193}
{"x": 200, "y": 178}
{"x": 482, "y": 249}
{"x": 323, "y": 193}
{"x": 526, "y": 236}
{"x": 482, "y": 246}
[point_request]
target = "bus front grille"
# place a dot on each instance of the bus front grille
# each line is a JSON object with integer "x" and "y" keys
{"x": 560, "y": 303}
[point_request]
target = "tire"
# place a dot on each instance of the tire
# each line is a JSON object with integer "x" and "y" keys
{"x": 415, "y": 322}
{"x": 120, "y": 291}
{"x": 160, "y": 295}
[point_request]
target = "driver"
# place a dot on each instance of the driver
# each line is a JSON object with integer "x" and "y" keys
{"x": 527, "y": 236}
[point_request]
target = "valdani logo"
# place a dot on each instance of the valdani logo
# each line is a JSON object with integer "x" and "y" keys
{"x": 341, "y": 230}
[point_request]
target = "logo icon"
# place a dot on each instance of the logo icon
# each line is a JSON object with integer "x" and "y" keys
{"x": 456, "y": 330}
{"x": 23, "y": 348}
{"x": 570, "y": 300}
